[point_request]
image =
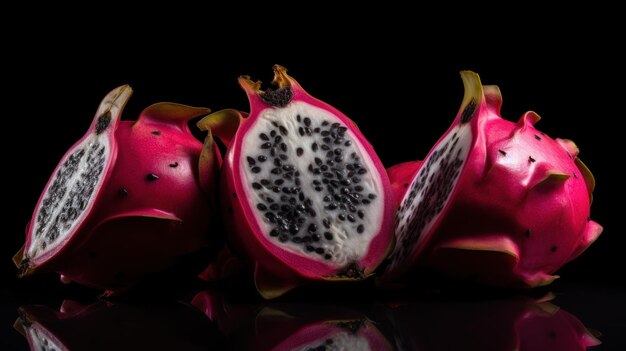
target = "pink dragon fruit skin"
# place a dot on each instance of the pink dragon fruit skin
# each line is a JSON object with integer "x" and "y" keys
{"x": 520, "y": 206}
{"x": 154, "y": 203}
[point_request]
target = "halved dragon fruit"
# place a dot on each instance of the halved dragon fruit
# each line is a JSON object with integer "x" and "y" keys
{"x": 127, "y": 199}
{"x": 305, "y": 197}
{"x": 495, "y": 201}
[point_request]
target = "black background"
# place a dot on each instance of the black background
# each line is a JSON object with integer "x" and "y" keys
{"x": 400, "y": 85}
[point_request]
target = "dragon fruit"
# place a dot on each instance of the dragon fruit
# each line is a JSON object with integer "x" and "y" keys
{"x": 127, "y": 199}
{"x": 495, "y": 201}
{"x": 304, "y": 196}
{"x": 105, "y": 325}
{"x": 512, "y": 323}
{"x": 290, "y": 326}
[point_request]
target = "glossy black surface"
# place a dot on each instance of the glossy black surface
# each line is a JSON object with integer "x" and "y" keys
{"x": 403, "y": 96}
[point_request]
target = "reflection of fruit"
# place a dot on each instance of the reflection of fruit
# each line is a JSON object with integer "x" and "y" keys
{"x": 494, "y": 201}
{"x": 129, "y": 198}
{"x": 116, "y": 326}
{"x": 305, "y": 196}
{"x": 509, "y": 324}
{"x": 291, "y": 326}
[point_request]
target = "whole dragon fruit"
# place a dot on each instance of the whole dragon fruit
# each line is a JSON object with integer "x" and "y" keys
{"x": 304, "y": 195}
{"x": 495, "y": 201}
{"x": 127, "y": 199}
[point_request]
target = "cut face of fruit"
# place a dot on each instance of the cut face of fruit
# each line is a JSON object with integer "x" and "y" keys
{"x": 72, "y": 190}
{"x": 314, "y": 189}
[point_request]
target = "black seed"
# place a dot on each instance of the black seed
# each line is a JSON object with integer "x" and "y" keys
{"x": 316, "y": 237}
{"x": 279, "y": 181}
{"x": 294, "y": 229}
{"x": 531, "y": 159}
{"x": 283, "y": 147}
{"x": 273, "y": 152}
{"x": 356, "y": 180}
{"x": 310, "y": 248}
{"x": 298, "y": 118}
{"x": 273, "y": 133}
{"x": 339, "y": 140}
{"x": 312, "y": 228}
{"x": 282, "y": 157}
{"x": 269, "y": 199}
{"x": 345, "y": 191}
{"x": 318, "y": 161}
{"x": 103, "y": 122}
{"x": 299, "y": 151}
{"x": 300, "y": 208}
{"x": 256, "y": 185}
{"x": 361, "y": 214}
{"x": 301, "y": 131}
{"x": 262, "y": 158}
{"x": 173, "y": 164}
{"x": 261, "y": 207}
{"x": 256, "y": 169}
{"x": 152, "y": 177}
{"x": 325, "y": 133}
{"x": 537, "y": 137}
{"x": 325, "y": 123}
{"x": 278, "y": 139}
{"x": 347, "y": 143}
{"x": 362, "y": 171}
{"x": 327, "y": 257}
{"x": 332, "y": 206}
{"x": 338, "y": 159}
{"x": 274, "y": 232}
{"x": 342, "y": 216}
{"x": 468, "y": 111}
{"x": 502, "y": 152}
{"x": 319, "y": 250}
{"x": 278, "y": 162}
{"x": 314, "y": 146}
{"x": 325, "y": 147}
{"x": 360, "y": 229}
{"x": 265, "y": 182}
{"x": 351, "y": 218}
{"x": 553, "y": 248}
{"x": 358, "y": 188}
{"x": 316, "y": 130}
{"x": 266, "y": 145}
{"x": 156, "y": 132}
{"x": 328, "y": 235}
{"x": 324, "y": 167}
{"x": 269, "y": 215}
{"x": 283, "y": 130}
{"x": 123, "y": 192}
{"x": 274, "y": 207}
{"x": 318, "y": 188}
{"x": 297, "y": 239}
{"x": 276, "y": 189}
{"x": 264, "y": 136}
{"x": 346, "y": 182}
{"x": 371, "y": 196}
{"x": 307, "y": 121}
{"x": 251, "y": 161}
{"x": 283, "y": 238}
{"x": 338, "y": 151}
{"x": 307, "y": 130}
{"x": 352, "y": 208}
{"x": 326, "y": 140}
{"x": 276, "y": 171}
{"x": 288, "y": 168}
{"x": 326, "y": 222}
{"x": 335, "y": 125}
{"x": 365, "y": 201}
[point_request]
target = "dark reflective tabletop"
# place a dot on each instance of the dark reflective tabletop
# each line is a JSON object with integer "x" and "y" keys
{"x": 564, "y": 316}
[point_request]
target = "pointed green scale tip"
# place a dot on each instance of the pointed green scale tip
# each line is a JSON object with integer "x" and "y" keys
{"x": 268, "y": 286}
{"x": 590, "y": 181}
{"x": 552, "y": 178}
{"x": 494, "y": 243}
{"x": 569, "y": 146}
{"x": 530, "y": 118}
{"x": 171, "y": 112}
{"x": 223, "y": 124}
{"x": 493, "y": 97}
{"x": 473, "y": 96}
